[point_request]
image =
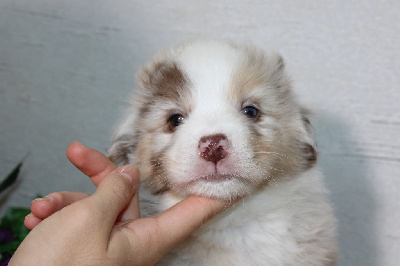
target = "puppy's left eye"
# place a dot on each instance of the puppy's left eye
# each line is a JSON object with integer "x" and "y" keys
{"x": 176, "y": 120}
{"x": 250, "y": 111}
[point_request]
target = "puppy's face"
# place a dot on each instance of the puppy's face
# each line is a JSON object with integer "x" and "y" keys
{"x": 214, "y": 119}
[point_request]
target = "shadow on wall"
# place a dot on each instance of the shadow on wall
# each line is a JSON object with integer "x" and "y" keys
{"x": 348, "y": 179}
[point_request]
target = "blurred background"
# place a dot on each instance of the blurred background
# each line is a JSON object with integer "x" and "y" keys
{"x": 67, "y": 67}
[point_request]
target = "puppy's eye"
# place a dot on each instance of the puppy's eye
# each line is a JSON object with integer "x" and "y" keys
{"x": 250, "y": 111}
{"x": 176, "y": 120}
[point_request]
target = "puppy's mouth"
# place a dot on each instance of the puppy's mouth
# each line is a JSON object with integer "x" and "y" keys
{"x": 216, "y": 180}
{"x": 217, "y": 185}
{"x": 215, "y": 177}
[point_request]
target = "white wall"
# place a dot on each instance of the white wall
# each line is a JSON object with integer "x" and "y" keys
{"x": 66, "y": 68}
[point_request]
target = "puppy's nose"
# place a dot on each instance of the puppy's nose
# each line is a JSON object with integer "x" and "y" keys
{"x": 213, "y": 148}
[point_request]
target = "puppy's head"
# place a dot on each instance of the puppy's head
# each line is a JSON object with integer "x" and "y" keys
{"x": 216, "y": 119}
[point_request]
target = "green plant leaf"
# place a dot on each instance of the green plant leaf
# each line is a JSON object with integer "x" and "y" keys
{"x": 12, "y": 176}
{"x": 13, "y": 220}
{"x": 9, "y": 248}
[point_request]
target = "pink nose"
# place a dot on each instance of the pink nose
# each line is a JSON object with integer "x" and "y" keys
{"x": 213, "y": 148}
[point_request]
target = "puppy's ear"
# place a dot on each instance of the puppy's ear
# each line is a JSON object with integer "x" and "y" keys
{"x": 276, "y": 74}
{"x": 310, "y": 155}
{"x": 309, "y": 149}
{"x": 121, "y": 148}
{"x": 278, "y": 64}
{"x": 124, "y": 141}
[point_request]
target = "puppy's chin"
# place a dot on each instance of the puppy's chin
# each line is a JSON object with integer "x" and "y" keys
{"x": 219, "y": 186}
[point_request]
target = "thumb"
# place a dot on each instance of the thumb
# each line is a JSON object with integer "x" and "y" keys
{"x": 114, "y": 194}
{"x": 183, "y": 218}
{"x": 174, "y": 225}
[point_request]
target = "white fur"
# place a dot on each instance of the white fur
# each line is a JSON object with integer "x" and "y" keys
{"x": 264, "y": 229}
{"x": 284, "y": 218}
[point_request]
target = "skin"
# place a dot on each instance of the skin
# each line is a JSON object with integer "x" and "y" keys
{"x": 70, "y": 228}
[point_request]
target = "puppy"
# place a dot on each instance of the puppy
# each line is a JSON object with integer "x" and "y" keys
{"x": 219, "y": 119}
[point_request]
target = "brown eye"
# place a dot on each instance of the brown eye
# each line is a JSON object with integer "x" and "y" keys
{"x": 176, "y": 120}
{"x": 250, "y": 111}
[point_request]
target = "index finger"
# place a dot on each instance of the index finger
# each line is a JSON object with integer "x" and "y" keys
{"x": 91, "y": 162}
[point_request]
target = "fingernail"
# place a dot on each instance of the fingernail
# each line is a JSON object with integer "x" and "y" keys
{"x": 81, "y": 144}
{"x": 129, "y": 172}
{"x": 46, "y": 198}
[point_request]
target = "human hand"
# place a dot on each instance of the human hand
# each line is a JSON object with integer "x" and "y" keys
{"x": 84, "y": 230}
{"x": 96, "y": 166}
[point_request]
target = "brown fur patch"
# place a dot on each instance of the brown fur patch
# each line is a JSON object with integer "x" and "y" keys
{"x": 285, "y": 149}
{"x": 258, "y": 69}
{"x": 247, "y": 77}
{"x": 157, "y": 181}
{"x": 164, "y": 81}
{"x": 287, "y": 155}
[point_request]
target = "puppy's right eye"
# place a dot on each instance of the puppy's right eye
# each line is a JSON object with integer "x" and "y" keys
{"x": 176, "y": 120}
{"x": 250, "y": 111}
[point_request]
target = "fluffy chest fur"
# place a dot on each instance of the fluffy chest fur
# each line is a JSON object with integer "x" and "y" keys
{"x": 288, "y": 224}
{"x": 217, "y": 119}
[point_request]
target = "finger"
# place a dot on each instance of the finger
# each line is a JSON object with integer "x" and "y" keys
{"x": 31, "y": 221}
{"x": 91, "y": 162}
{"x": 97, "y": 166}
{"x": 183, "y": 218}
{"x": 132, "y": 212}
{"x": 113, "y": 195}
{"x": 48, "y": 205}
{"x": 164, "y": 231}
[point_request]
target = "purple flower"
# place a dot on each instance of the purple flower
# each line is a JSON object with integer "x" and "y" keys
{"x": 6, "y": 237}
{"x": 5, "y": 262}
